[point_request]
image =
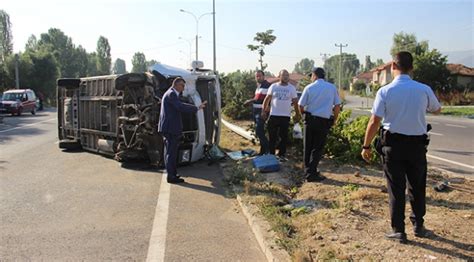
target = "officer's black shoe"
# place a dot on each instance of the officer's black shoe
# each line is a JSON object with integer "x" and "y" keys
{"x": 175, "y": 180}
{"x": 397, "y": 236}
{"x": 421, "y": 231}
{"x": 315, "y": 178}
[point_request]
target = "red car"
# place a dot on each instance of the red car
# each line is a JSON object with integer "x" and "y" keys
{"x": 17, "y": 101}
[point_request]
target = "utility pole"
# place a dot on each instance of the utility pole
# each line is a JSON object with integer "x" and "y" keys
{"x": 17, "y": 75}
{"x": 324, "y": 57}
{"x": 340, "y": 63}
{"x": 214, "y": 33}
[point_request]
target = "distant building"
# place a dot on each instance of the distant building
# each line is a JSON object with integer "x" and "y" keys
{"x": 294, "y": 79}
{"x": 365, "y": 77}
{"x": 462, "y": 75}
{"x": 382, "y": 75}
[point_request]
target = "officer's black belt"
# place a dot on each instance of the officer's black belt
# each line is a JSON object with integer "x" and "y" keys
{"x": 405, "y": 138}
{"x": 318, "y": 117}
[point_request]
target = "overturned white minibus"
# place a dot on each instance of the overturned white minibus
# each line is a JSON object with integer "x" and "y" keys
{"x": 117, "y": 115}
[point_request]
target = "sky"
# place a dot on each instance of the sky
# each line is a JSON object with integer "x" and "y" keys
{"x": 304, "y": 28}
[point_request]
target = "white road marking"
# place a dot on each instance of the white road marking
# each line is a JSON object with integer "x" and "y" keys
{"x": 157, "y": 245}
{"x": 34, "y": 124}
{"x": 436, "y": 134}
{"x": 456, "y": 126}
{"x": 450, "y": 161}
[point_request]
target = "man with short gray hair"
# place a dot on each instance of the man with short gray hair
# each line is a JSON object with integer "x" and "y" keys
{"x": 171, "y": 125}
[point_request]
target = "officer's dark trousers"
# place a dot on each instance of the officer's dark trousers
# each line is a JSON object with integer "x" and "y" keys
{"x": 260, "y": 130}
{"x": 315, "y": 136}
{"x": 278, "y": 126}
{"x": 171, "y": 153}
{"x": 405, "y": 166}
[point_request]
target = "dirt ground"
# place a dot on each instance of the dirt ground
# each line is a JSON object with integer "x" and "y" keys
{"x": 351, "y": 215}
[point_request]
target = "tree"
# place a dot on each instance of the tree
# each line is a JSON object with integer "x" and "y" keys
{"x": 92, "y": 64}
{"x": 82, "y": 61}
{"x": 139, "y": 63}
{"x": 378, "y": 62}
{"x": 120, "y": 67}
{"x": 104, "y": 59}
{"x": 38, "y": 71}
{"x": 304, "y": 66}
{"x": 151, "y": 63}
{"x": 264, "y": 39}
{"x": 236, "y": 88}
{"x": 430, "y": 68}
{"x": 407, "y": 42}
{"x": 24, "y": 68}
{"x": 368, "y": 64}
{"x": 350, "y": 67}
{"x": 32, "y": 43}
{"x": 63, "y": 49}
{"x": 359, "y": 87}
{"x": 6, "y": 37}
{"x": 44, "y": 73}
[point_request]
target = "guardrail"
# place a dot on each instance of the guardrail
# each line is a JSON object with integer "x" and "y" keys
{"x": 238, "y": 130}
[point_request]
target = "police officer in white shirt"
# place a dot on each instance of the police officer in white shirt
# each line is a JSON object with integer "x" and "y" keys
{"x": 282, "y": 96}
{"x": 402, "y": 105}
{"x": 321, "y": 105}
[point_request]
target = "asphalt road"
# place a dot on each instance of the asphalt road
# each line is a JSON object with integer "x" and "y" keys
{"x": 79, "y": 206}
{"x": 452, "y": 139}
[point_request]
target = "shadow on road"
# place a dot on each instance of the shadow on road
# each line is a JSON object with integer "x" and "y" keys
{"x": 18, "y": 127}
{"x": 201, "y": 170}
{"x": 18, "y": 134}
{"x": 2, "y": 162}
{"x": 464, "y": 153}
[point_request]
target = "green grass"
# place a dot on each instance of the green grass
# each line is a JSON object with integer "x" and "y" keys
{"x": 281, "y": 224}
{"x": 458, "y": 111}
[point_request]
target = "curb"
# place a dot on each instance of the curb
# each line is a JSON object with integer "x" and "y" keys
{"x": 259, "y": 226}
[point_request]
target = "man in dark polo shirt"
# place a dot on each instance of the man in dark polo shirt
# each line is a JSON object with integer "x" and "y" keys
{"x": 257, "y": 101}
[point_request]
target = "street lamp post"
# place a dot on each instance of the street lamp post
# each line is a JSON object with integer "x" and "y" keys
{"x": 197, "y": 28}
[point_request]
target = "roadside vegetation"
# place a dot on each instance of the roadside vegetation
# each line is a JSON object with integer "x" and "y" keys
{"x": 458, "y": 111}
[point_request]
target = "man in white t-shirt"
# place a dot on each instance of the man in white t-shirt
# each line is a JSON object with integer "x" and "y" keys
{"x": 282, "y": 96}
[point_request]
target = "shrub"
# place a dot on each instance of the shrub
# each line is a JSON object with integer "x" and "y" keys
{"x": 375, "y": 87}
{"x": 346, "y": 138}
{"x": 359, "y": 86}
{"x": 236, "y": 88}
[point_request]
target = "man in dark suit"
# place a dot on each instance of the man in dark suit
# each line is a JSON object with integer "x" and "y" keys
{"x": 171, "y": 126}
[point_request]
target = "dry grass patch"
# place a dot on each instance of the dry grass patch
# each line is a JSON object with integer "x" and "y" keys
{"x": 230, "y": 141}
{"x": 351, "y": 214}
